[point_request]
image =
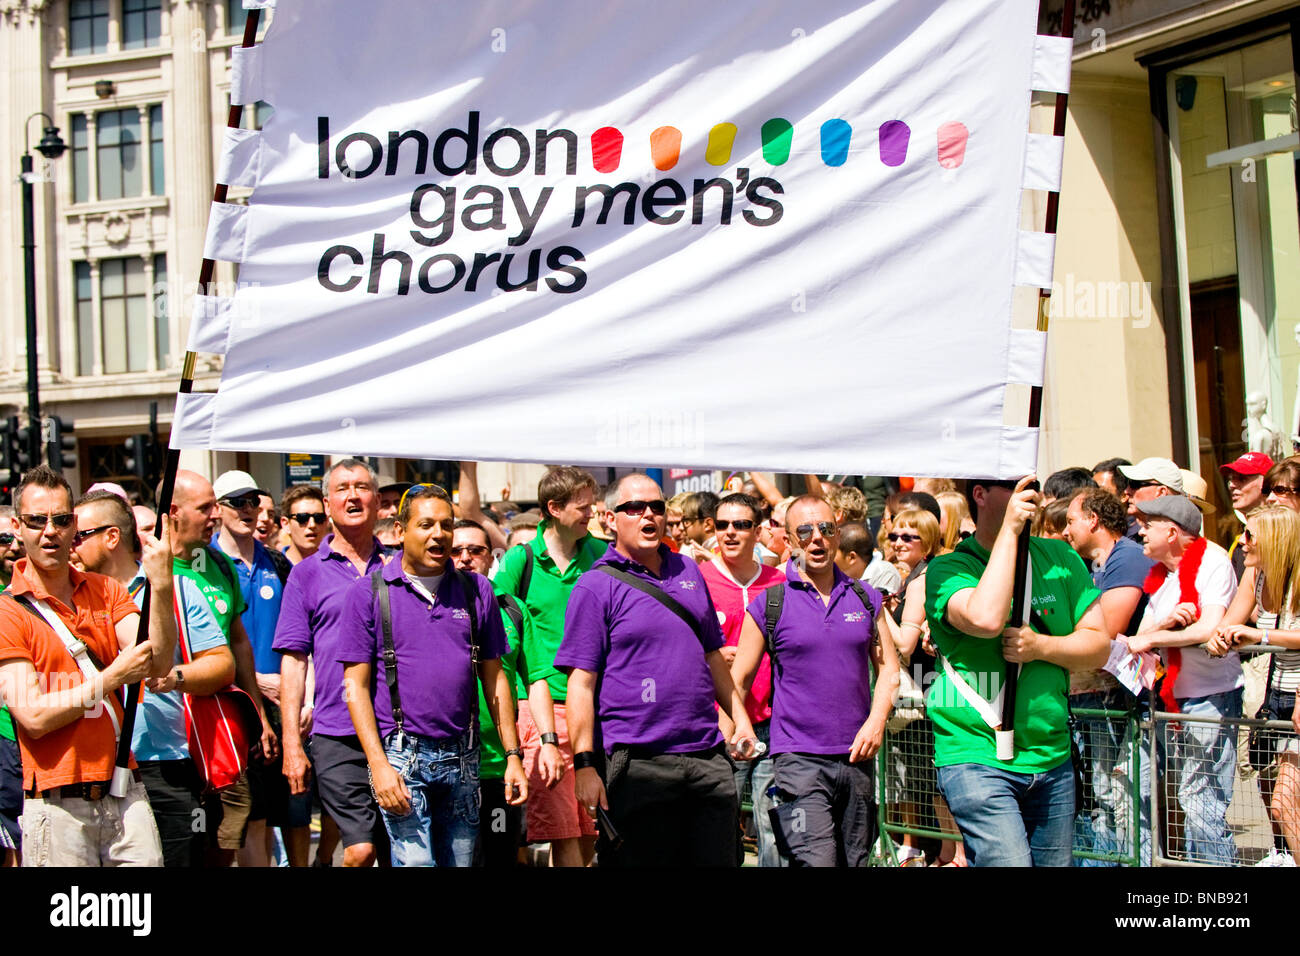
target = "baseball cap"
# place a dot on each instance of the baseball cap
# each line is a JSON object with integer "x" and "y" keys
{"x": 1251, "y": 463}
{"x": 1179, "y": 509}
{"x": 1196, "y": 488}
{"x": 1160, "y": 470}
{"x": 233, "y": 484}
{"x": 389, "y": 483}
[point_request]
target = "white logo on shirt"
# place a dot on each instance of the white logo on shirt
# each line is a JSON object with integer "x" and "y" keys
{"x": 688, "y": 585}
{"x": 222, "y": 606}
{"x": 854, "y": 617}
{"x": 460, "y": 614}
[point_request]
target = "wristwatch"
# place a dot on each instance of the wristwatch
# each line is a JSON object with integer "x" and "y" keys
{"x": 551, "y": 738}
{"x": 585, "y": 758}
{"x": 180, "y": 677}
{"x": 515, "y": 752}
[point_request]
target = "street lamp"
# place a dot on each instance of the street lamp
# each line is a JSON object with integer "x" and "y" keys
{"x": 51, "y": 146}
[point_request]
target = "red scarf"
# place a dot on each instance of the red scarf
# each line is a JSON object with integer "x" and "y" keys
{"x": 1187, "y": 571}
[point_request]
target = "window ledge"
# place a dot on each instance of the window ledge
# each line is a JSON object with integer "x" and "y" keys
{"x": 63, "y": 62}
{"x": 115, "y": 205}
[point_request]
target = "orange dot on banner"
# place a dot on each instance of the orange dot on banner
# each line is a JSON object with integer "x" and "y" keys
{"x": 665, "y": 146}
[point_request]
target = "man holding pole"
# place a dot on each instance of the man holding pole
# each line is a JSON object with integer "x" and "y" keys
{"x": 67, "y": 645}
{"x": 1015, "y": 812}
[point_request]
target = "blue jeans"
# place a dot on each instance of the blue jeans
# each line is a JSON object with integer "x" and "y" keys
{"x": 759, "y": 775}
{"x": 441, "y": 827}
{"x": 1205, "y": 757}
{"x": 1008, "y": 818}
{"x": 1106, "y": 746}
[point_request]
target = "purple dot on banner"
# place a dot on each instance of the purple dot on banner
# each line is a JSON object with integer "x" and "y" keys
{"x": 894, "y": 135}
{"x": 952, "y": 144}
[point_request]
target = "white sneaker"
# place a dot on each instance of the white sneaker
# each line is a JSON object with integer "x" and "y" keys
{"x": 1276, "y": 858}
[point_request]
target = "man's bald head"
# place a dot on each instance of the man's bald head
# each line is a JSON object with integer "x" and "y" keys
{"x": 194, "y": 512}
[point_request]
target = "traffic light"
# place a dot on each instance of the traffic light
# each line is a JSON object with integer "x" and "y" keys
{"x": 61, "y": 445}
{"x": 20, "y": 455}
{"x": 8, "y": 433}
{"x": 139, "y": 458}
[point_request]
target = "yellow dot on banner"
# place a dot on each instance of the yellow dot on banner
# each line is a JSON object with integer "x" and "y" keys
{"x": 721, "y": 139}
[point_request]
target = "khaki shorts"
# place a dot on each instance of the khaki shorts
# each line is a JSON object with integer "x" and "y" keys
{"x": 227, "y": 813}
{"x": 552, "y": 814}
{"x": 70, "y": 831}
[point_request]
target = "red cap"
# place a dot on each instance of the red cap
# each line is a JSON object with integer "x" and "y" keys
{"x": 1251, "y": 463}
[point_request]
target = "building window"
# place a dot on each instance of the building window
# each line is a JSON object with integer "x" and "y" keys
{"x": 236, "y": 17}
{"x": 114, "y": 333}
{"x": 157, "y": 177}
{"x": 87, "y": 27}
{"x": 117, "y": 153}
{"x": 254, "y": 115}
{"x": 141, "y": 23}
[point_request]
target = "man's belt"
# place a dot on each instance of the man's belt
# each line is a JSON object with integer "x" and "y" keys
{"x": 82, "y": 791}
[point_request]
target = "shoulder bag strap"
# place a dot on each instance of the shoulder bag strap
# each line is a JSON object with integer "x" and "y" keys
{"x": 645, "y": 587}
{"x": 772, "y": 617}
{"x": 526, "y": 575}
{"x": 471, "y": 596}
{"x": 84, "y": 657}
{"x": 379, "y": 587}
{"x": 510, "y": 604}
{"x": 872, "y": 611}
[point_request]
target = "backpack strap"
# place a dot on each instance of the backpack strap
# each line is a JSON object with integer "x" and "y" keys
{"x": 510, "y": 605}
{"x": 526, "y": 575}
{"x": 227, "y": 572}
{"x": 471, "y": 593}
{"x": 379, "y": 588}
{"x": 772, "y": 616}
{"x": 645, "y": 587}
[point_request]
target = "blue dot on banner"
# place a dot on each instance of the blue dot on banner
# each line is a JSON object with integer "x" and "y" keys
{"x": 835, "y": 142}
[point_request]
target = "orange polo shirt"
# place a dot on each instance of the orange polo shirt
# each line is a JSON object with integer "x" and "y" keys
{"x": 82, "y": 751}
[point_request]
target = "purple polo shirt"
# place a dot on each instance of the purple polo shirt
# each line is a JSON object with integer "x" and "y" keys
{"x": 655, "y": 689}
{"x": 435, "y": 679}
{"x": 821, "y": 678}
{"x": 309, "y": 623}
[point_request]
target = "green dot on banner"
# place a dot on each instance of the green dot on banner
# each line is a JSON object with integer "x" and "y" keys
{"x": 777, "y": 137}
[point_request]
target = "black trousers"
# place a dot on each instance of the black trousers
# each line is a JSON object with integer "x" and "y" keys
{"x": 500, "y": 827}
{"x": 672, "y": 810}
{"x": 826, "y": 810}
{"x": 176, "y": 798}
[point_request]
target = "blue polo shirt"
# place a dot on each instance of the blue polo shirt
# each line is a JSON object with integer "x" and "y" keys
{"x": 309, "y": 624}
{"x": 821, "y": 677}
{"x": 159, "y": 732}
{"x": 260, "y": 587}
{"x": 655, "y": 688}
{"x": 435, "y": 677}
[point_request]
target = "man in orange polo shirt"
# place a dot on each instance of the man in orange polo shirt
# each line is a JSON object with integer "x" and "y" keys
{"x": 67, "y": 723}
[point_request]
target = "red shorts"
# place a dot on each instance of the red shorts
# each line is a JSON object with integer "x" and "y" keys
{"x": 552, "y": 814}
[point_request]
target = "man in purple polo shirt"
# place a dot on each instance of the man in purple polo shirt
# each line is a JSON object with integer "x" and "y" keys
{"x": 826, "y": 722}
{"x": 438, "y": 632}
{"x": 643, "y": 682}
{"x": 309, "y": 626}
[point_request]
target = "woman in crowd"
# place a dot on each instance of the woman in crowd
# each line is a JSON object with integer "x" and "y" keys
{"x": 956, "y": 524}
{"x": 1271, "y": 543}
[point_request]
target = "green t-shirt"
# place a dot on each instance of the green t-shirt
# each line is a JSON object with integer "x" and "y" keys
{"x": 1062, "y": 592}
{"x": 492, "y": 757}
{"x": 6, "y": 724}
{"x": 546, "y": 601}
{"x": 219, "y": 585}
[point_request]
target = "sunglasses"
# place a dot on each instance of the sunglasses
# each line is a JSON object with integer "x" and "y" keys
{"x": 82, "y": 536}
{"x": 805, "y": 531}
{"x": 638, "y": 508}
{"x": 474, "y": 550}
{"x": 241, "y": 502}
{"x": 1282, "y": 490}
{"x": 38, "y": 522}
{"x": 315, "y": 517}
{"x": 894, "y": 536}
{"x": 424, "y": 484}
{"x": 740, "y": 524}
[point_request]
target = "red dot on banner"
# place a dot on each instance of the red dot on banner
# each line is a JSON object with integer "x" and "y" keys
{"x": 665, "y": 147}
{"x": 952, "y": 144}
{"x": 606, "y": 149}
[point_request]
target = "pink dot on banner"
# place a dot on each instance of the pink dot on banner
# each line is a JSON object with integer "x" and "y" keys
{"x": 894, "y": 136}
{"x": 665, "y": 147}
{"x": 606, "y": 149}
{"x": 952, "y": 144}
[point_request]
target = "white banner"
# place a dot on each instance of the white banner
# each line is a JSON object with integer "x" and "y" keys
{"x": 748, "y": 235}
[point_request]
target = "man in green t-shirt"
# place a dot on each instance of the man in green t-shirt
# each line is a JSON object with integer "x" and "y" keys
{"x": 1017, "y": 812}
{"x": 541, "y": 574}
{"x": 194, "y": 515}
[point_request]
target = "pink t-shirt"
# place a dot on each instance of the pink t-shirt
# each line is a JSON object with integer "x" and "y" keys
{"x": 730, "y": 598}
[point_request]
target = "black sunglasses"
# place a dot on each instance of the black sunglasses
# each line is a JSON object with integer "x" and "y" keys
{"x": 241, "y": 502}
{"x": 475, "y": 550}
{"x": 740, "y": 524}
{"x": 38, "y": 522}
{"x": 302, "y": 517}
{"x": 81, "y": 536}
{"x": 638, "y": 508}
{"x": 805, "y": 531}
{"x": 899, "y": 536}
